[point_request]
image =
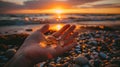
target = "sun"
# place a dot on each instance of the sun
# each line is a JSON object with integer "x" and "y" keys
{"x": 58, "y": 11}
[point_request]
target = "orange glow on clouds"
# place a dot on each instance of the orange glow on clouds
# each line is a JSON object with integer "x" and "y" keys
{"x": 80, "y": 10}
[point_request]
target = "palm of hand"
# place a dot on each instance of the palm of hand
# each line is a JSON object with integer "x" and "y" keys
{"x": 35, "y": 50}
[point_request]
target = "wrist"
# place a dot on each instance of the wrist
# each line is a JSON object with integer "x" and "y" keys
{"x": 19, "y": 60}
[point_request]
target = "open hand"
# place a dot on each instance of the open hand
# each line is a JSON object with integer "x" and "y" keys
{"x": 36, "y": 49}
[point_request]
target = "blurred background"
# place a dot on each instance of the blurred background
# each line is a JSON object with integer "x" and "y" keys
{"x": 97, "y": 21}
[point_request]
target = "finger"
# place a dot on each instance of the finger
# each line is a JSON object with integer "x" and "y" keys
{"x": 68, "y": 32}
{"x": 38, "y": 35}
{"x": 44, "y": 28}
{"x": 57, "y": 34}
{"x": 68, "y": 36}
{"x": 68, "y": 47}
{"x": 71, "y": 39}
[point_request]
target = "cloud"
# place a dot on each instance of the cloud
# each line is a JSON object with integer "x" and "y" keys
{"x": 101, "y": 3}
{"x": 42, "y": 4}
{"x": 20, "y": 2}
{"x": 6, "y": 6}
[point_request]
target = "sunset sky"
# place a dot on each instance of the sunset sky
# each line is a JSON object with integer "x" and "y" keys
{"x": 67, "y": 6}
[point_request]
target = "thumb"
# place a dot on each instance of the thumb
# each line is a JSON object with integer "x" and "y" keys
{"x": 38, "y": 35}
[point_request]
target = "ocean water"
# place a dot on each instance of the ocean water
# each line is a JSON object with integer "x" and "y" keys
{"x": 15, "y": 24}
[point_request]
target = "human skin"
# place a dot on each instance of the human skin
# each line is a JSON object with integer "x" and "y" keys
{"x": 31, "y": 52}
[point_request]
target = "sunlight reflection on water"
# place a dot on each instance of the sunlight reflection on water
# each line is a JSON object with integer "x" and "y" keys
{"x": 6, "y": 30}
